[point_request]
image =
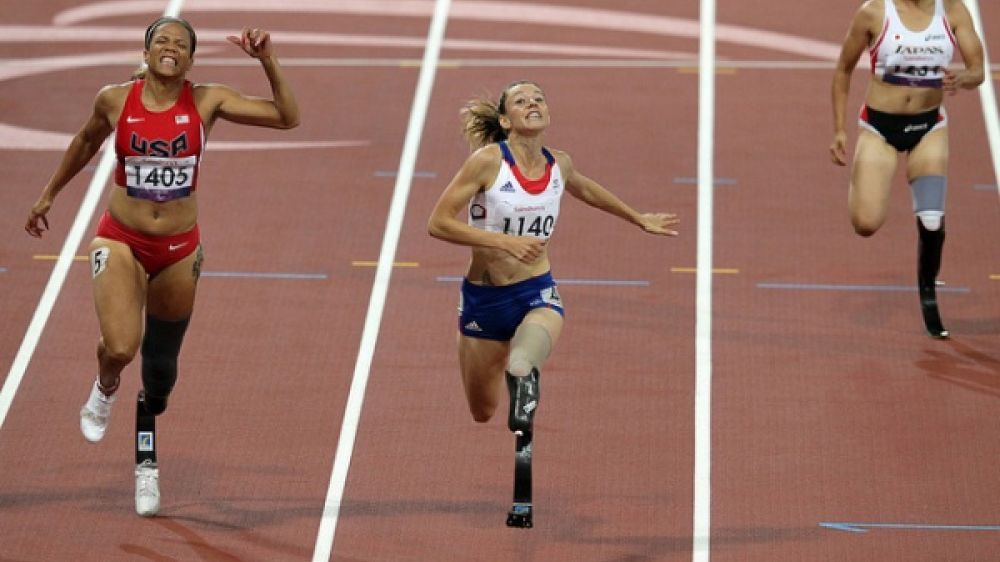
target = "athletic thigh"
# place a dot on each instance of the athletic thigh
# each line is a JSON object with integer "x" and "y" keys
{"x": 172, "y": 291}
{"x": 119, "y": 291}
{"x": 482, "y": 363}
{"x": 871, "y": 179}
{"x": 930, "y": 156}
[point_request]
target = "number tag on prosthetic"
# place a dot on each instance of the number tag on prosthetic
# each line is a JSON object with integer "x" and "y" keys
{"x": 159, "y": 179}
{"x": 99, "y": 260}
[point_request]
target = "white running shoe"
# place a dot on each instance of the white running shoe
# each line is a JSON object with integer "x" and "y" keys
{"x": 94, "y": 414}
{"x": 147, "y": 489}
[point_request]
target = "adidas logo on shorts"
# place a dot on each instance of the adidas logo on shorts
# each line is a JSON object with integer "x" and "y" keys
{"x": 473, "y": 326}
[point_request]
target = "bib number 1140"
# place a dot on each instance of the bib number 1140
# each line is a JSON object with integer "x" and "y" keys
{"x": 539, "y": 226}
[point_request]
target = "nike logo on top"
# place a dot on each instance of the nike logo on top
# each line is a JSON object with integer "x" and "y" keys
{"x": 131, "y": 119}
{"x": 175, "y": 247}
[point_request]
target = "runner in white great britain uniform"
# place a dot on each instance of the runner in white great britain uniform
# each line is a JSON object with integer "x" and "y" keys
{"x": 516, "y": 205}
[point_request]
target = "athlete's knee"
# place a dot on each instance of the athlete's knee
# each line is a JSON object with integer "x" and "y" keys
{"x": 865, "y": 229}
{"x": 154, "y": 405}
{"x": 928, "y": 200}
{"x": 160, "y": 347}
{"x": 482, "y": 413}
{"x": 116, "y": 352}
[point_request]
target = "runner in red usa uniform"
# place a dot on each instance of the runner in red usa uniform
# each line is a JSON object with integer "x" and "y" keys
{"x": 910, "y": 43}
{"x": 146, "y": 257}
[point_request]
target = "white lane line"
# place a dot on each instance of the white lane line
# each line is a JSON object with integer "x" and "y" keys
{"x": 988, "y": 97}
{"x": 702, "y": 528}
{"x": 380, "y": 288}
{"x": 61, "y": 268}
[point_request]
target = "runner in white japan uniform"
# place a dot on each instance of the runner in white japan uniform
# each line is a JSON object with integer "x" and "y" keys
{"x": 910, "y": 43}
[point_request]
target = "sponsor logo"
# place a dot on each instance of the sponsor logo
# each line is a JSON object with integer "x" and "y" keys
{"x": 938, "y": 37}
{"x": 529, "y": 208}
{"x": 181, "y": 119}
{"x": 144, "y": 441}
{"x": 919, "y": 50}
{"x": 530, "y": 406}
{"x": 131, "y": 119}
{"x": 473, "y": 326}
{"x": 477, "y": 212}
{"x": 914, "y": 128}
{"x": 175, "y": 247}
{"x": 507, "y": 188}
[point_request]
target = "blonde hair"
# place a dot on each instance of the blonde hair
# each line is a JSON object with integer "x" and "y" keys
{"x": 480, "y": 117}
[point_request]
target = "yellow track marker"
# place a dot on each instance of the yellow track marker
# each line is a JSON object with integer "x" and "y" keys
{"x": 361, "y": 263}
{"x": 723, "y": 271}
{"x": 995, "y": 277}
{"x": 44, "y": 257}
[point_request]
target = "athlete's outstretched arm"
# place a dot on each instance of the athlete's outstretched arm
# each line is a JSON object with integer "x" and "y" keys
{"x": 597, "y": 196}
{"x": 82, "y": 148}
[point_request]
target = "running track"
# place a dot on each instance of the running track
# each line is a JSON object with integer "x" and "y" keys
{"x": 838, "y": 431}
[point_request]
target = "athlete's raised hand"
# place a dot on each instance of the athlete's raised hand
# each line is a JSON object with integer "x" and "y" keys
{"x": 254, "y": 41}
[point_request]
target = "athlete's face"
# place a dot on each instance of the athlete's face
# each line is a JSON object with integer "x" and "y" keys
{"x": 169, "y": 52}
{"x": 526, "y": 109}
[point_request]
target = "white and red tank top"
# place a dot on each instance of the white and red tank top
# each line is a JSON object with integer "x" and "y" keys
{"x": 517, "y": 205}
{"x": 159, "y": 153}
{"x": 913, "y": 58}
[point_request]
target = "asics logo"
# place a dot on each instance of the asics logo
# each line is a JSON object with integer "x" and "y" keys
{"x": 914, "y": 128}
{"x": 175, "y": 247}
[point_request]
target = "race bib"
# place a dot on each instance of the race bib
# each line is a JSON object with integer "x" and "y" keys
{"x": 159, "y": 179}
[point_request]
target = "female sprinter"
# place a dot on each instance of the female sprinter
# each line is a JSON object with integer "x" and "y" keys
{"x": 911, "y": 43}
{"x": 146, "y": 257}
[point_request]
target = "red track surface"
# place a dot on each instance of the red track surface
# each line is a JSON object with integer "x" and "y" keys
{"x": 829, "y": 406}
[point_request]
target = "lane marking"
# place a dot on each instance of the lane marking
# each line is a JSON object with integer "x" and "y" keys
{"x": 995, "y": 277}
{"x": 864, "y": 527}
{"x": 687, "y": 180}
{"x": 363, "y": 263}
{"x": 691, "y": 69}
{"x": 718, "y": 270}
{"x": 987, "y": 97}
{"x": 834, "y": 287}
{"x": 265, "y": 275}
{"x": 380, "y": 288}
{"x": 613, "y": 282}
{"x": 73, "y": 239}
{"x": 701, "y": 541}
{"x": 232, "y": 274}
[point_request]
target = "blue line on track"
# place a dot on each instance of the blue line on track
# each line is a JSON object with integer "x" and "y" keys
{"x": 883, "y": 288}
{"x": 984, "y": 187}
{"x": 616, "y": 282}
{"x": 694, "y": 181}
{"x": 261, "y": 275}
{"x": 865, "y": 527}
{"x": 3, "y": 270}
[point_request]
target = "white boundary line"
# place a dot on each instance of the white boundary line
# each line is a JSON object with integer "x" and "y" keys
{"x": 61, "y": 268}
{"x": 380, "y": 288}
{"x": 988, "y": 97}
{"x": 702, "y": 529}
